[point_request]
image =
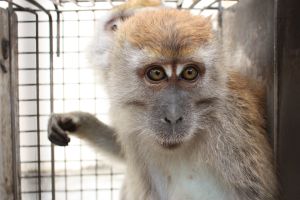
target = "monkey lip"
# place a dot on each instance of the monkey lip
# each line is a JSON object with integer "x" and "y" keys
{"x": 172, "y": 139}
{"x": 171, "y": 145}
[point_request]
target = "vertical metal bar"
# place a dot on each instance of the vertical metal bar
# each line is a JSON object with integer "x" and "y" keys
{"x": 220, "y": 18}
{"x": 65, "y": 154}
{"x": 179, "y": 4}
{"x": 194, "y": 4}
{"x": 57, "y": 31}
{"x": 96, "y": 171}
{"x": 276, "y": 85}
{"x": 10, "y": 11}
{"x": 52, "y": 105}
{"x": 63, "y": 88}
{"x": 15, "y": 144}
{"x": 111, "y": 183}
{"x": 38, "y": 104}
{"x": 95, "y": 104}
{"x": 210, "y": 6}
{"x": 79, "y": 99}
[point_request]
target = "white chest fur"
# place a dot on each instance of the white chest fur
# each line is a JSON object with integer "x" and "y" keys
{"x": 184, "y": 182}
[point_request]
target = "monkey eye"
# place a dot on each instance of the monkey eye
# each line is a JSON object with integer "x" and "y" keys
{"x": 156, "y": 73}
{"x": 190, "y": 72}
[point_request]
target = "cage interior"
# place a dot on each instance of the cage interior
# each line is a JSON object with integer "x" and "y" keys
{"x": 55, "y": 76}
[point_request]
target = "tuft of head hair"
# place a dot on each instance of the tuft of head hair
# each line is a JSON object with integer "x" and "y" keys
{"x": 134, "y": 4}
{"x": 168, "y": 32}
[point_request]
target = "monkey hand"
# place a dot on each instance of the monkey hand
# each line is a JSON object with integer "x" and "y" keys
{"x": 86, "y": 127}
{"x": 60, "y": 125}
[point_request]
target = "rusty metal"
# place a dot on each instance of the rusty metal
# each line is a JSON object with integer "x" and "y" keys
{"x": 2, "y": 66}
{"x": 5, "y": 48}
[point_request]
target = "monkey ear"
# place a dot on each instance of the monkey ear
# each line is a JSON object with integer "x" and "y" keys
{"x": 104, "y": 36}
{"x": 113, "y": 24}
{"x": 124, "y": 11}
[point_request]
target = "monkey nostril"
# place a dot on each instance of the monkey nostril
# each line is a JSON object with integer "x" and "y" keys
{"x": 179, "y": 120}
{"x": 167, "y": 120}
{"x": 172, "y": 121}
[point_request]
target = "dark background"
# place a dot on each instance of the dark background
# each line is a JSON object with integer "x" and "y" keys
{"x": 264, "y": 36}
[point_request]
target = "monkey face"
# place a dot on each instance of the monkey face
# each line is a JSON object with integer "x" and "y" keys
{"x": 162, "y": 77}
{"x": 169, "y": 107}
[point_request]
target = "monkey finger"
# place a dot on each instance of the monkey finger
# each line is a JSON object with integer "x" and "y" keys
{"x": 55, "y": 133}
{"x": 67, "y": 124}
{"x": 53, "y": 125}
{"x": 57, "y": 140}
{"x": 59, "y": 134}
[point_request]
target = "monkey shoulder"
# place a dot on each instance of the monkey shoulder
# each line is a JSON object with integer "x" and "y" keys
{"x": 247, "y": 98}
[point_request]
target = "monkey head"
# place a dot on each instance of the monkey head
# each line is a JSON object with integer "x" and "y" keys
{"x": 162, "y": 76}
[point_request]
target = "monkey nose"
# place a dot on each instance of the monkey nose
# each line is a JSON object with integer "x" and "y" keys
{"x": 172, "y": 120}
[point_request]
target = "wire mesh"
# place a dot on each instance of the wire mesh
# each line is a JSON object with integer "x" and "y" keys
{"x": 79, "y": 173}
{"x": 55, "y": 76}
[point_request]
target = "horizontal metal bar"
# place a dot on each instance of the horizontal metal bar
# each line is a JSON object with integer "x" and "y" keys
{"x": 49, "y": 161}
{"x": 46, "y": 52}
{"x": 45, "y": 37}
{"x": 101, "y": 1}
{"x": 57, "y": 68}
{"x": 66, "y": 20}
{"x": 75, "y": 175}
{"x": 63, "y": 191}
{"x": 64, "y": 99}
{"x": 55, "y": 84}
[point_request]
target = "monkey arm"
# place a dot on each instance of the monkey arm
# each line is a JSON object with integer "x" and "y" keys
{"x": 87, "y": 127}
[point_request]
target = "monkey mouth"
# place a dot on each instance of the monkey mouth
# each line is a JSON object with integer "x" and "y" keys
{"x": 172, "y": 140}
{"x": 171, "y": 145}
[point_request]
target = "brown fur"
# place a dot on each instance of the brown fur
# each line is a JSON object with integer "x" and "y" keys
{"x": 132, "y": 4}
{"x": 154, "y": 31}
{"x": 250, "y": 96}
{"x": 246, "y": 160}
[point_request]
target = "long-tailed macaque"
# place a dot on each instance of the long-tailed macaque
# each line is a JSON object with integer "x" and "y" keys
{"x": 186, "y": 126}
